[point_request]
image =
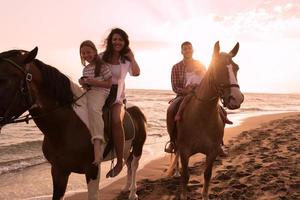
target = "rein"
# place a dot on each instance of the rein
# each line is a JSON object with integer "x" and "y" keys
{"x": 205, "y": 100}
{"x": 28, "y": 117}
{"x": 24, "y": 89}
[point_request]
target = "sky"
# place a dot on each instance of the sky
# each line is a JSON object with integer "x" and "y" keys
{"x": 268, "y": 32}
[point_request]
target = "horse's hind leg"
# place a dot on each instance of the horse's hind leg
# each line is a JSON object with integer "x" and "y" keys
{"x": 60, "y": 181}
{"x": 129, "y": 175}
{"x": 137, "y": 146}
{"x": 133, "y": 187}
{"x": 185, "y": 176}
{"x": 174, "y": 166}
{"x": 134, "y": 164}
{"x": 207, "y": 174}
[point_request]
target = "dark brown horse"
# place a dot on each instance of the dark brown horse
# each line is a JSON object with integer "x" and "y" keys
{"x": 28, "y": 84}
{"x": 201, "y": 128}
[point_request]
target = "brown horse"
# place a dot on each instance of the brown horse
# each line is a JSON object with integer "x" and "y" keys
{"x": 28, "y": 84}
{"x": 201, "y": 128}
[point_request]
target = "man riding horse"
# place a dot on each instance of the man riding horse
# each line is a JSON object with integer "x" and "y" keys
{"x": 182, "y": 85}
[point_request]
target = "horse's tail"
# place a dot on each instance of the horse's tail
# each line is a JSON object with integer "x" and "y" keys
{"x": 140, "y": 123}
{"x": 173, "y": 166}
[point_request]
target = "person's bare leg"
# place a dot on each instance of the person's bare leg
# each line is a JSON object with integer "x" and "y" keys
{"x": 179, "y": 112}
{"x": 118, "y": 138}
{"x": 182, "y": 106}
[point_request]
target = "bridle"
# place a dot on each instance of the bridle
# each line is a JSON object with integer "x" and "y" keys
{"x": 23, "y": 91}
{"x": 219, "y": 88}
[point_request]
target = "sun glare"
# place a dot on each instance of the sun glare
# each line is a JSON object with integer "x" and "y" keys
{"x": 266, "y": 30}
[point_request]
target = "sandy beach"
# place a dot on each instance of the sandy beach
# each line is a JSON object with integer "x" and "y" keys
{"x": 263, "y": 163}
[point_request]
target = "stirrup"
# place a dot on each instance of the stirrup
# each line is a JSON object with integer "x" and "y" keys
{"x": 169, "y": 149}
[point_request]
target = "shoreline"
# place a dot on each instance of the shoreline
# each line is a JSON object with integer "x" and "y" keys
{"x": 155, "y": 169}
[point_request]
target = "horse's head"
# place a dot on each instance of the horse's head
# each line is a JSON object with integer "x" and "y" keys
{"x": 14, "y": 92}
{"x": 225, "y": 77}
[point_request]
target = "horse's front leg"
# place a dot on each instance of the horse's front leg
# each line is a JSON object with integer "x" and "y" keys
{"x": 60, "y": 181}
{"x": 207, "y": 174}
{"x": 185, "y": 176}
{"x": 93, "y": 178}
{"x": 133, "y": 187}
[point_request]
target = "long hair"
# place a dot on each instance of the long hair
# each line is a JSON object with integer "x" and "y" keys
{"x": 97, "y": 60}
{"x": 108, "y": 53}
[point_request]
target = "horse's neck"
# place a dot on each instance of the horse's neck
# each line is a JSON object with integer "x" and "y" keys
{"x": 206, "y": 90}
{"x": 48, "y": 115}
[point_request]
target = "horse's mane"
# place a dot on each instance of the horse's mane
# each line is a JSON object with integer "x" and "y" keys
{"x": 55, "y": 83}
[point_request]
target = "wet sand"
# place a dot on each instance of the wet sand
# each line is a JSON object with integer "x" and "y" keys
{"x": 263, "y": 163}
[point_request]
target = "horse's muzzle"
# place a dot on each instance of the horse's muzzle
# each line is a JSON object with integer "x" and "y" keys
{"x": 234, "y": 103}
{"x": 233, "y": 106}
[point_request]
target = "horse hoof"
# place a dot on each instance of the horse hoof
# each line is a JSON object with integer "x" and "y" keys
{"x": 183, "y": 197}
{"x": 177, "y": 174}
{"x": 133, "y": 197}
{"x": 205, "y": 197}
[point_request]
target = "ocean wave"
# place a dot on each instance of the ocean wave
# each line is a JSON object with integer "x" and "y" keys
{"x": 21, "y": 155}
{"x": 32, "y": 144}
{"x": 19, "y": 164}
{"x": 251, "y": 109}
{"x": 268, "y": 109}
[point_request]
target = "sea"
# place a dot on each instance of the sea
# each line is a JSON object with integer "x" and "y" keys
{"x": 20, "y": 144}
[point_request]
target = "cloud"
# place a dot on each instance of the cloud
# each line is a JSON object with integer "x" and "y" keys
{"x": 265, "y": 22}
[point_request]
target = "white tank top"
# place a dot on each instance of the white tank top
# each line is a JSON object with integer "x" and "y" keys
{"x": 116, "y": 73}
{"x": 192, "y": 78}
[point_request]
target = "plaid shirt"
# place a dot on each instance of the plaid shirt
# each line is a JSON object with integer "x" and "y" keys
{"x": 178, "y": 78}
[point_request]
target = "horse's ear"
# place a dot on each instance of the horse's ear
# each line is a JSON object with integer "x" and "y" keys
{"x": 31, "y": 55}
{"x": 235, "y": 49}
{"x": 216, "y": 49}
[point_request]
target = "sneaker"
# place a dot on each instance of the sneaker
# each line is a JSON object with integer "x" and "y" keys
{"x": 169, "y": 148}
